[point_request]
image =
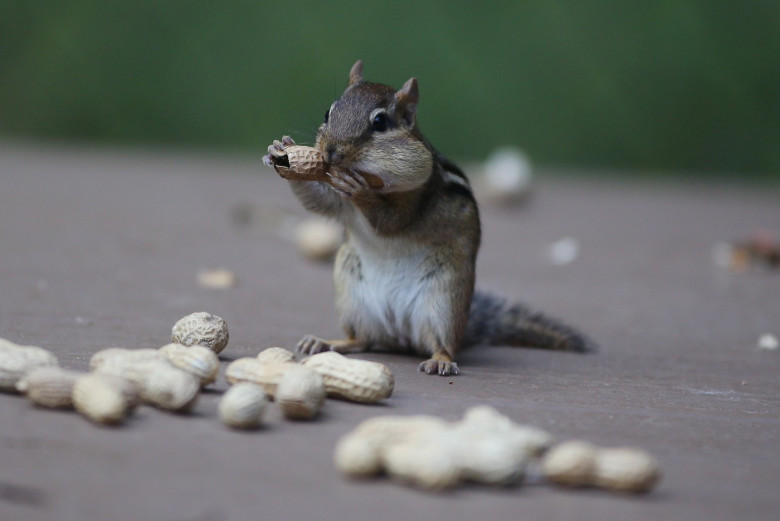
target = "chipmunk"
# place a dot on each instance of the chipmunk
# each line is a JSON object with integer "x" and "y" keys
{"x": 404, "y": 276}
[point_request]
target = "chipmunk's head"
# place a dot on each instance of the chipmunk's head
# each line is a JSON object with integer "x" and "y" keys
{"x": 372, "y": 129}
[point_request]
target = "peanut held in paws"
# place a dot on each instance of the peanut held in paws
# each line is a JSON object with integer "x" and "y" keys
{"x": 296, "y": 162}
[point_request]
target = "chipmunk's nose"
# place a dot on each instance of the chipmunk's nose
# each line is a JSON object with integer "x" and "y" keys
{"x": 333, "y": 155}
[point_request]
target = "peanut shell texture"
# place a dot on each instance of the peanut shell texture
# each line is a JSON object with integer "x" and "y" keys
{"x": 49, "y": 386}
{"x": 352, "y": 379}
{"x": 302, "y": 163}
{"x": 276, "y": 355}
{"x": 195, "y": 359}
{"x": 202, "y": 329}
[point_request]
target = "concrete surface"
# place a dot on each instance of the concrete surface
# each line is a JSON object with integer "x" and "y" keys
{"x": 101, "y": 248}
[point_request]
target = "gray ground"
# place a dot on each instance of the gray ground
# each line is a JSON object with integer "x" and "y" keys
{"x": 102, "y": 249}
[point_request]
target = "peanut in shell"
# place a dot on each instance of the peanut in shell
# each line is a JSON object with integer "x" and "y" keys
{"x": 243, "y": 406}
{"x": 16, "y": 360}
{"x": 104, "y": 398}
{"x": 300, "y": 393}
{"x": 254, "y": 371}
{"x": 352, "y": 379}
{"x": 303, "y": 164}
{"x": 276, "y": 355}
{"x": 203, "y": 329}
{"x": 49, "y": 386}
{"x": 195, "y": 359}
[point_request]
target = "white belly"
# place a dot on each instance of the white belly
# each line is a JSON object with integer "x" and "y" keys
{"x": 387, "y": 304}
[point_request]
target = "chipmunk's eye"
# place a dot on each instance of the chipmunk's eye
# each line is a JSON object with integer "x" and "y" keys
{"x": 327, "y": 113}
{"x": 379, "y": 122}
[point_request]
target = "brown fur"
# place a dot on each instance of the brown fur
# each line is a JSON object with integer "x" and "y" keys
{"x": 404, "y": 277}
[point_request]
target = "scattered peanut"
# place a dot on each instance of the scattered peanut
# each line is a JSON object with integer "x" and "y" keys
{"x": 428, "y": 452}
{"x": 275, "y": 355}
{"x": 318, "y": 239}
{"x": 571, "y": 463}
{"x": 122, "y": 355}
{"x": 253, "y": 371}
{"x": 356, "y": 380}
{"x": 359, "y": 453}
{"x": 104, "y": 398}
{"x": 49, "y": 386}
{"x": 243, "y": 406}
{"x": 768, "y": 342}
{"x": 485, "y": 419}
{"x": 219, "y": 278}
{"x": 507, "y": 178}
{"x": 626, "y": 469}
{"x": 358, "y": 456}
{"x": 160, "y": 382}
{"x": 164, "y": 386}
{"x": 196, "y": 360}
{"x": 495, "y": 449}
{"x": 16, "y": 360}
{"x": 203, "y": 329}
{"x": 300, "y": 393}
{"x": 429, "y": 462}
{"x": 580, "y": 464}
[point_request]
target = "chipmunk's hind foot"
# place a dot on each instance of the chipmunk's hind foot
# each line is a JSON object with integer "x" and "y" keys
{"x": 441, "y": 364}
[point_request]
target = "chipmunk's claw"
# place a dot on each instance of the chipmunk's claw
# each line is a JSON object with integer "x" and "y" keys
{"x": 311, "y": 345}
{"x": 347, "y": 182}
{"x": 440, "y": 367}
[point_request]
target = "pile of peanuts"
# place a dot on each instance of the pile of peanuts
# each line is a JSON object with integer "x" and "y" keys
{"x": 171, "y": 378}
{"x": 424, "y": 451}
{"x": 485, "y": 447}
{"x": 299, "y": 389}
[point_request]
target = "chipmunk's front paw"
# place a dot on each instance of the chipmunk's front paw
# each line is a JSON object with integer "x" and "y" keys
{"x": 277, "y": 155}
{"x": 440, "y": 367}
{"x": 348, "y": 183}
{"x": 296, "y": 162}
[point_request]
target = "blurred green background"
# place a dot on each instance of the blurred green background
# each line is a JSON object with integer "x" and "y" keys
{"x": 659, "y": 86}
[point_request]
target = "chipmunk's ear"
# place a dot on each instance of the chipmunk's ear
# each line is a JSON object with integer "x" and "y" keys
{"x": 406, "y": 98}
{"x": 356, "y": 73}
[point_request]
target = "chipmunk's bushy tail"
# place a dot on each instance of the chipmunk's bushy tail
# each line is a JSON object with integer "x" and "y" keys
{"x": 493, "y": 321}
